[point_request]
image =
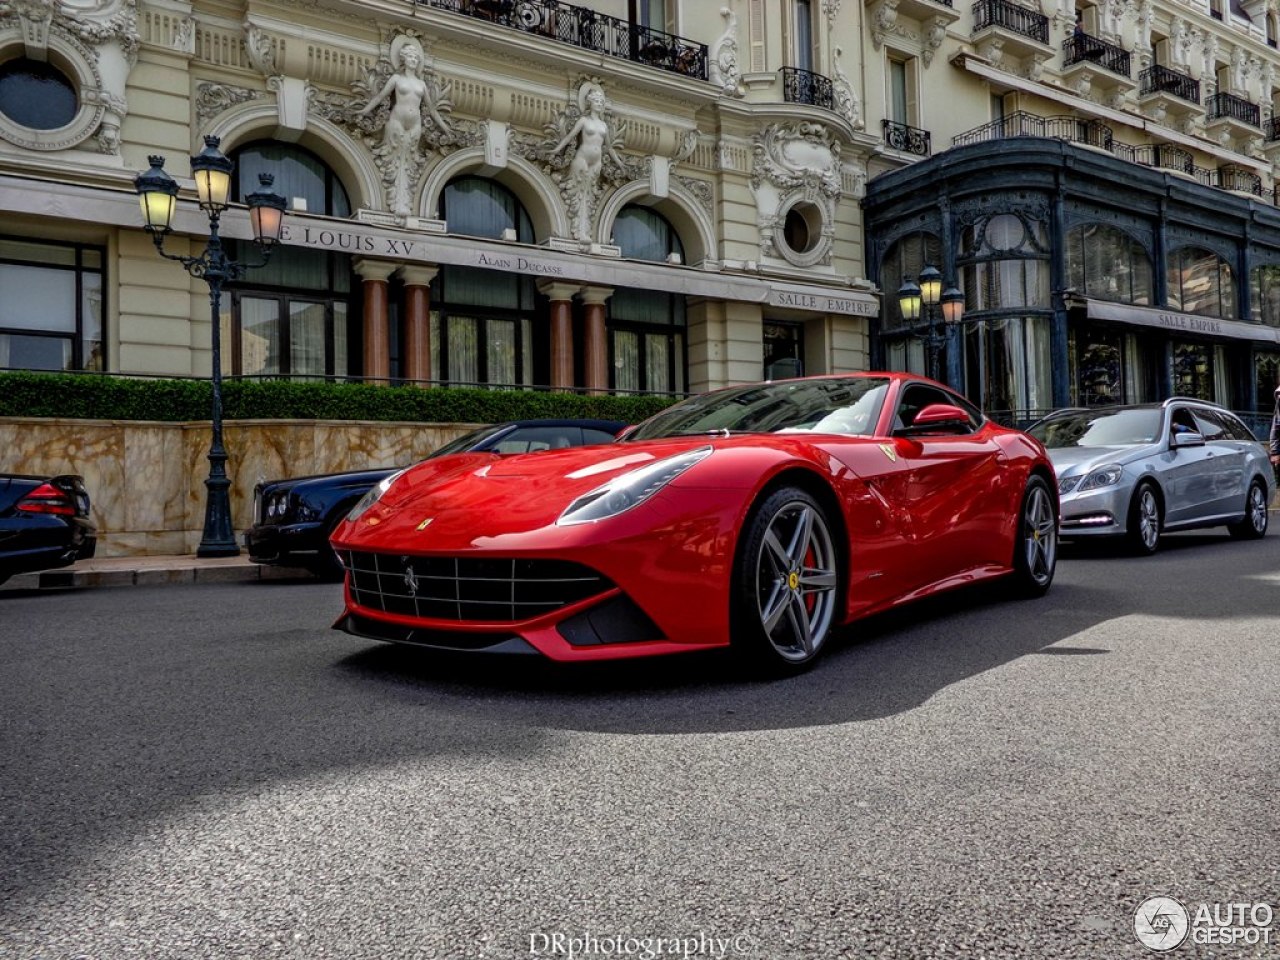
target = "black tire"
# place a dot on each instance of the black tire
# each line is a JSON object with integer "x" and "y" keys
{"x": 1035, "y": 552}
{"x": 1254, "y": 524}
{"x": 1146, "y": 520}
{"x": 787, "y": 584}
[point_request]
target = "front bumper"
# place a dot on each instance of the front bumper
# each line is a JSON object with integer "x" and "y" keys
{"x": 285, "y": 544}
{"x": 1096, "y": 513}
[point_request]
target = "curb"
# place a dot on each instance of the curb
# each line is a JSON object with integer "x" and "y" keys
{"x": 153, "y": 575}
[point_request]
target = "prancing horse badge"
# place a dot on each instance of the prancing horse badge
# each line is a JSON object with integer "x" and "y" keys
{"x": 887, "y": 449}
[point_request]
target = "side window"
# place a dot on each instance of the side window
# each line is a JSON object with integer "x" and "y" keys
{"x": 1210, "y": 425}
{"x": 530, "y": 439}
{"x": 1236, "y": 429}
{"x": 1182, "y": 422}
{"x": 596, "y": 436}
{"x": 914, "y": 399}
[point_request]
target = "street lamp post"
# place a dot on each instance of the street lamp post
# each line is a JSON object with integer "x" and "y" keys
{"x": 928, "y": 296}
{"x": 157, "y": 192}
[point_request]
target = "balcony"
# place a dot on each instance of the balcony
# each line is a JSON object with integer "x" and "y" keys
{"x": 804, "y": 86}
{"x": 1271, "y": 132}
{"x": 883, "y": 15}
{"x": 1010, "y": 36}
{"x": 1167, "y": 96}
{"x": 1082, "y": 48}
{"x": 1095, "y": 134}
{"x": 585, "y": 28}
{"x": 1091, "y": 133}
{"x": 906, "y": 139}
{"x": 1227, "y": 106}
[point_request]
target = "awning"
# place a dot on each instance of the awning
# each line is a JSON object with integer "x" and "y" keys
{"x": 1173, "y": 321}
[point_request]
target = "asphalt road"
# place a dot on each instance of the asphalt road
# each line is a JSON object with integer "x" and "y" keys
{"x": 208, "y": 771}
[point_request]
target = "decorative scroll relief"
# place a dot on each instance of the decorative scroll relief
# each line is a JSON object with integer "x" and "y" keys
{"x": 722, "y": 68}
{"x": 797, "y": 170}
{"x": 97, "y": 41}
{"x": 846, "y": 99}
{"x": 213, "y": 98}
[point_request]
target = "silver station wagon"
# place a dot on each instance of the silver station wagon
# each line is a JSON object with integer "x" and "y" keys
{"x": 1141, "y": 470}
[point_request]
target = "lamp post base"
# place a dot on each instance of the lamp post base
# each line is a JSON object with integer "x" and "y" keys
{"x": 219, "y": 539}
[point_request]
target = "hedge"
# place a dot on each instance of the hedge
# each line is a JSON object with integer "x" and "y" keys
{"x": 103, "y": 397}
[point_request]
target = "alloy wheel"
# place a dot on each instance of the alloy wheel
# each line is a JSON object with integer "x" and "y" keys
{"x": 796, "y": 581}
{"x": 1040, "y": 530}
{"x": 1148, "y": 518}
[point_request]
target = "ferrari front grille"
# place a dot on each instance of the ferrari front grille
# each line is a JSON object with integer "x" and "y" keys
{"x": 468, "y": 589}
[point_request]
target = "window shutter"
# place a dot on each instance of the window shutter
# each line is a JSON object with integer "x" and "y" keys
{"x": 757, "y": 36}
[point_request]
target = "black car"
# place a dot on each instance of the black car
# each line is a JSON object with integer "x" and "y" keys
{"x": 293, "y": 518}
{"x": 44, "y": 523}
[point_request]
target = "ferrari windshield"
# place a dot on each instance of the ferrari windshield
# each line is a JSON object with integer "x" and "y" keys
{"x": 829, "y": 405}
{"x": 1099, "y": 428}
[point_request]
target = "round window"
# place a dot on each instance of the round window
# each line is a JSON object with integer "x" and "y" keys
{"x": 36, "y": 95}
{"x": 802, "y": 228}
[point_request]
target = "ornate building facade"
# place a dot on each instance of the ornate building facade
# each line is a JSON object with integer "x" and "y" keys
{"x": 630, "y": 195}
{"x": 1098, "y": 178}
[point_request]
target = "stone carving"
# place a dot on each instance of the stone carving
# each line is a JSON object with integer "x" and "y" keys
{"x": 213, "y": 98}
{"x": 831, "y": 8}
{"x": 1112, "y": 19}
{"x": 260, "y": 48}
{"x": 884, "y": 17}
{"x": 846, "y": 99}
{"x": 991, "y": 49}
{"x": 935, "y": 31}
{"x": 700, "y": 190}
{"x": 723, "y": 65}
{"x": 1209, "y": 51}
{"x": 1239, "y": 70}
{"x": 796, "y": 163}
{"x": 184, "y": 35}
{"x": 1146, "y": 20}
{"x": 1033, "y": 66}
{"x": 407, "y": 104}
{"x": 594, "y": 138}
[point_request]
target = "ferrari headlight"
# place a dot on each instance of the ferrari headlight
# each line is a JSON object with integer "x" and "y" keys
{"x": 1104, "y": 476}
{"x": 634, "y": 487}
{"x": 373, "y": 496}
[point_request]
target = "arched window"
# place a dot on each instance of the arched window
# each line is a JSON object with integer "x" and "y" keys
{"x": 1106, "y": 263}
{"x": 1004, "y": 273}
{"x": 1264, "y": 293}
{"x": 481, "y": 320}
{"x": 1271, "y": 29}
{"x": 646, "y": 327}
{"x": 1201, "y": 282}
{"x": 294, "y": 316}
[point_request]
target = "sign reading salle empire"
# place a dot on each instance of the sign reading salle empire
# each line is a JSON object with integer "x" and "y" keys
{"x": 823, "y": 303}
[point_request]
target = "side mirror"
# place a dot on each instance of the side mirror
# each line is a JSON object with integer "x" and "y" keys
{"x": 1187, "y": 440}
{"x": 939, "y": 418}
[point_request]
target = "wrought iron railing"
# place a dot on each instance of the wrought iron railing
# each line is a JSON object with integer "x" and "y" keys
{"x": 585, "y": 28}
{"x": 805, "y": 86}
{"x": 1233, "y": 107}
{"x": 1163, "y": 156}
{"x": 1011, "y": 16}
{"x": 1158, "y": 79}
{"x": 1271, "y": 131}
{"x": 1082, "y": 48}
{"x": 1093, "y": 133}
{"x": 908, "y": 139}
{"x": 1241, "y": 180}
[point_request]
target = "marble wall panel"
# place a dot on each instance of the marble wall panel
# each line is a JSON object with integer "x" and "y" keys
{"x": 146, "y": 480}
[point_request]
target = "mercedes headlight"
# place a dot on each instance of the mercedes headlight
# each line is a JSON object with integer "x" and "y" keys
{"x": 1104, "y": 476}
{"x": 1067, "y": 484}
{"x": 373, "y": 496}
{"x": 634, "y": 487}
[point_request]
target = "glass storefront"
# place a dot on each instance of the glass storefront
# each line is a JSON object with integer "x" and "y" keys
{"x": 646, "y": 328}
{"x": 51, "y": 305}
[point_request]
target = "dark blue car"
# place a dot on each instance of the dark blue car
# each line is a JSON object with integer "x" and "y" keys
{"x": 293, "y": 518}
{"x": 44, "y": 523}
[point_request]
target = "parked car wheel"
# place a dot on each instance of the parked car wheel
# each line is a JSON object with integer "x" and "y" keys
{"x": 1145, "y": 520}
{"x": 1254, "y": 524}
{"x": 788, "y": 583}
{"x": 1035, "y": 556}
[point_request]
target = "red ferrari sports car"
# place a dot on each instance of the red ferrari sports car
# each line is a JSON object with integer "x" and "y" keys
{"x": 759, "y": 516}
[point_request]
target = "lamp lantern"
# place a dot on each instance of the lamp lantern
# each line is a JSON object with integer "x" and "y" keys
{"x": 930, "y": 286}
{"x": 157, "y": 194}
{"x": 909, "y": 301}
{"x": 266, "y": 211}
{"x": 952, "y": 305}
{"x": 212, "y": 172}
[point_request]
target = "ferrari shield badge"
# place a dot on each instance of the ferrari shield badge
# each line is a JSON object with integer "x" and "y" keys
{"x": 425, "y": 523}
{"x": 888, "y": 451}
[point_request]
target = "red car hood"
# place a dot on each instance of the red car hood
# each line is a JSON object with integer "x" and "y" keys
{"x": 466, "y": 499}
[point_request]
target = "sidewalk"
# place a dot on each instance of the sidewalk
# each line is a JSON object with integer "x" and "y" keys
{"x": 147, "y": 571}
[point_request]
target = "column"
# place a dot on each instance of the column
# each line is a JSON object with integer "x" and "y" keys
{"x": 377, "y": 335}
{"x": 595, "y": 349}
{"x": 417, "y": 322}
{"x": 561, "y": 297}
